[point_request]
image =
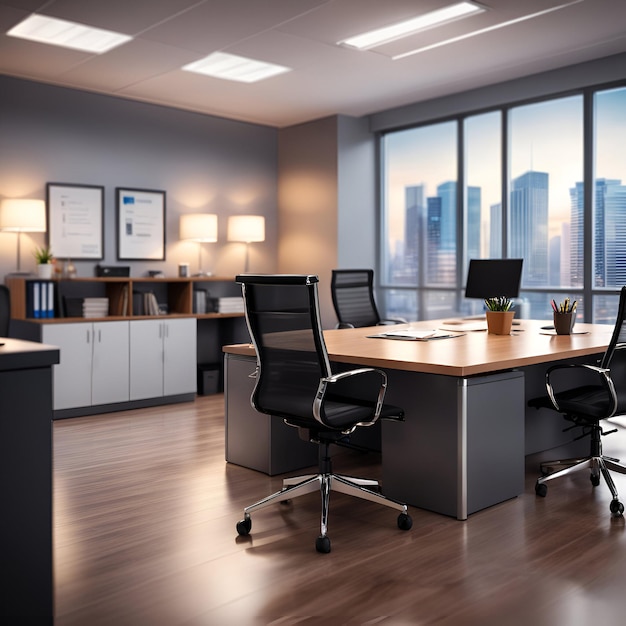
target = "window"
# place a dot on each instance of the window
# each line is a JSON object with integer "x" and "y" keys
{"x": 420, "y": 246}
{"x": 543, "y": 215}
{"x": 546, "y": 195}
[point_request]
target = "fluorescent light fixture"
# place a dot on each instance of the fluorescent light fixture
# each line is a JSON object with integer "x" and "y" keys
{"x": 233, "y": 67}
{"x": 482, "y": 31}
{"x": 53, "y": 31}
{"x": 409, "y": 27}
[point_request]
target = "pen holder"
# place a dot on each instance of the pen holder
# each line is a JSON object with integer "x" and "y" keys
{"x": 564, "y": 322}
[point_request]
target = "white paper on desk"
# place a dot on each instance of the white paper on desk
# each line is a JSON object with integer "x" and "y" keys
{"x": 413, "y": 334}
{"x": 464, "y": 326}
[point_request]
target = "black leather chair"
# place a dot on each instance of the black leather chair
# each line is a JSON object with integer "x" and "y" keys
{"x": 586, "y": 405}
{"x": 353, "y": 298}
{"x": 5, "y": 310}
{"x": 294, "y": 381}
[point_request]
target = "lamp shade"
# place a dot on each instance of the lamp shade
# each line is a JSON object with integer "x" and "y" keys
{"x": 198, "y": 227}
{"x": 246, "y": 228}
{"x": 21, "y": 215}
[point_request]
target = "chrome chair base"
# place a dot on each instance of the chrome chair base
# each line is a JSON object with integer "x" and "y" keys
{"x": 598, "y": 466}
{"x": 325, "y": 483}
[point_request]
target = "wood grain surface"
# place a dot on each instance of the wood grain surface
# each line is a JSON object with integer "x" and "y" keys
{"x": 145, "y": 509}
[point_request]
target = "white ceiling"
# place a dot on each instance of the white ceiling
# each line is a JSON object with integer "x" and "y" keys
{"x": 327, "y": 79}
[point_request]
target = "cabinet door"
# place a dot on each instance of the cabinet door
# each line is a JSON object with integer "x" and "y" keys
{"x": 72, "y": 376}
{"x": 180, "y": 361}
{"x": 110, "y": 366}
{"x": 146, "y": 359}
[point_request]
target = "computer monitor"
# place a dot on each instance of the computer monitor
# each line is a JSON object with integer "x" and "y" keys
{"x": 491, "y": 278}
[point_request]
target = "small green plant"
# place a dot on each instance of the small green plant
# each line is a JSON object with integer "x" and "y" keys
{"x": 501, "y": 303}
{"x": 43, "y": 255}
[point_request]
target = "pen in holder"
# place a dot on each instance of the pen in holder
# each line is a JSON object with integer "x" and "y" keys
{"x": 564, "y": 317}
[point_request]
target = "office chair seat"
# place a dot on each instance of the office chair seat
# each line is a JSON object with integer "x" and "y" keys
{"x": 585, "y": 406}
{"x": 294, "y": 382}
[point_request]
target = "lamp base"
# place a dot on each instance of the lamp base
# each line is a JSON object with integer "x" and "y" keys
{"x": 205, "y": 274}
{"x": 22, "y": 273}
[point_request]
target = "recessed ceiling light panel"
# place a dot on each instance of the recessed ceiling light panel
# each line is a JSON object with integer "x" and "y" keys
{"x": 233, "y": 67}
{"x": 66, "y": 34}
{"x": 386, "y": 34}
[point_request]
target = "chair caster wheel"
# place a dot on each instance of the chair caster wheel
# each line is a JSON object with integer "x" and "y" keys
{"x": 322, "y": 544}
{"x": 595, "y": 479}
{"x": 244, "y": 526}
{"x": 617, "y": 508}
{"x": 541, "y": 490}
{"x": 404, "y": 521}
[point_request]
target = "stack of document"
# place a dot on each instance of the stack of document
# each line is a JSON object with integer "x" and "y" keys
{"x": 230, "y": 305}
{"x": 95, "y": 307}
{"x": 412, "y": 334}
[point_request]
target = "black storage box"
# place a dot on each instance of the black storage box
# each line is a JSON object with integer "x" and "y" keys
{"x": 208, "y": 379}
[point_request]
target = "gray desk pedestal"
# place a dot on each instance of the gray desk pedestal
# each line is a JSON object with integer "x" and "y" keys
{"x": 260, "y": 442}
{"x": 461, "y": 446}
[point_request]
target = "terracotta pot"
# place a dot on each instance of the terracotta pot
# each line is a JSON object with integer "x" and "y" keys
{"x": 499, "y": 322}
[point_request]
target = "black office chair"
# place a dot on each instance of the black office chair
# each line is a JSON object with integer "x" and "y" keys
{"x": 586, "y": 406}
{"x": 353, "y": 298}
{"x": 5, "y": 310}
{"x": 294, "y": 381}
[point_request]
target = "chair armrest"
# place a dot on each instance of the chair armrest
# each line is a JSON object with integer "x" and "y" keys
{"x": 375, "y": 394}
{"x": 601, "y": 376}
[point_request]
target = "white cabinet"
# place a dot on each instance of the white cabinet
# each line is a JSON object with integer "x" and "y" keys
{"x": 162, "y": 357}
{"x": 94, "y": 367}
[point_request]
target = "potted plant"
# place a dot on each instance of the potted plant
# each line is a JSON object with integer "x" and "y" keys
{"x": 43, "y": 256}
{"x": 499, "y": 315}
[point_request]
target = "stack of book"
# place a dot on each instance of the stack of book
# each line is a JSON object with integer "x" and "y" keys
{"x": 230, "y": 305}
{"x": 150, "y": 304}
{"x": 95, "y": 307}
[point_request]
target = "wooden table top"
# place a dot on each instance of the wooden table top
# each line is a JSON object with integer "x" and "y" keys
{"x": 469, "y": 353}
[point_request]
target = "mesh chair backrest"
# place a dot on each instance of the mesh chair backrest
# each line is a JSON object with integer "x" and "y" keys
{"x": 5, "y": 310}
{"x": 353, "y": 297}
{"x": 282, "y": 313}
{"x": 618, "y": 339}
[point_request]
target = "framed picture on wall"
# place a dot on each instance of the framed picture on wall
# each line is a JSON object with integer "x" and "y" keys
{"x": 75, "y": 220}
{"x": 140, "y": 224}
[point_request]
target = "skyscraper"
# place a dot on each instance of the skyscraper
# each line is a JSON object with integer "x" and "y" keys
{"x": 529, "y": 223}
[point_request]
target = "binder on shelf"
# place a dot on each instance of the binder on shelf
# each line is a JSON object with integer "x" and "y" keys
{"x": 50, "y": 311}
{"x": 137, "y": 303}
{"x": 40, "y": 299}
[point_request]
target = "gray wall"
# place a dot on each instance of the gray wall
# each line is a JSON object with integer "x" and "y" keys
{"x": 577, "y": 76}
{"x": 205, "y": 164}
{"x": 327, "y": 200}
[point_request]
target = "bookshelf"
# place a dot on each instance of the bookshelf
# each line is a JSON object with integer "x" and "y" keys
{"x": 116, "y": 353}
{"x": 174, "y": 295}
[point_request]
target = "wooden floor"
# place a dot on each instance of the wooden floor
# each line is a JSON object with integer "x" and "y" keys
{"x": 145, "y": 509}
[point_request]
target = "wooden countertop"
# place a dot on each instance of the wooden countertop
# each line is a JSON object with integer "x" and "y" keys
{"x": 474, "y": 352}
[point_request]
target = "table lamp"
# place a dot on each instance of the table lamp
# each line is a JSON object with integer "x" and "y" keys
{"x": 246, "y": 229}
{"x": 201, "y": 228}
{"x": 22, "y": 215}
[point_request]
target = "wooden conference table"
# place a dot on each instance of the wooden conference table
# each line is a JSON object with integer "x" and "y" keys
{"x": 467, "y": 429}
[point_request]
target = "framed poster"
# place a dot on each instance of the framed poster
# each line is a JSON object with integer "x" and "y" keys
{"x": 140, "y": 224}
{"x": 75, "y": 221}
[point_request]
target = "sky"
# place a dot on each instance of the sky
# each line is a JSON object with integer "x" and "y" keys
{"x": 545, "y": 137}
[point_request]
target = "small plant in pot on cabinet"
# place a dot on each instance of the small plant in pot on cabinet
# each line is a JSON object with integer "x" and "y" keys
{"x": 43, "y": 256}
{"x": 499, "y": 315}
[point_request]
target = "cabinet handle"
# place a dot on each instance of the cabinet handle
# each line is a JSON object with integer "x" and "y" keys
{"x": 100, "y": 336}
{"x": 88, "y": 333}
